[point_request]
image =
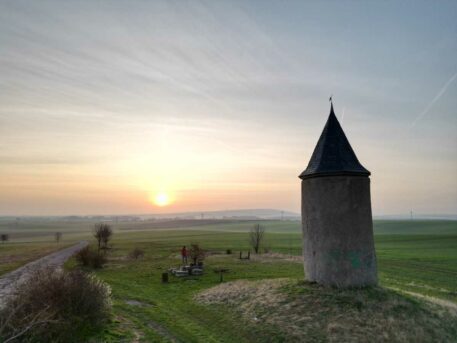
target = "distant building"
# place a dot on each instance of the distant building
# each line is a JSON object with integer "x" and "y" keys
{"x": 338, "y": 246}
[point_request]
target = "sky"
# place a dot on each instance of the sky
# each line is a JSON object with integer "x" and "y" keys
{"x": 117, "y": 107}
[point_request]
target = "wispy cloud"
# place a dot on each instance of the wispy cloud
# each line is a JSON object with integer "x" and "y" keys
{"x": 147, "y": 94}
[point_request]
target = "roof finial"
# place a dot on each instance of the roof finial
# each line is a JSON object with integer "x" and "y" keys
{"x": 331, "y": 103}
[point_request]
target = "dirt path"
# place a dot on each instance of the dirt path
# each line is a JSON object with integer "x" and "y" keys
{"x": 55, "y": 260}
{"x": 272, "y": 256}
{"x": 442, "y": 302}
{"x": 162, "y": 331}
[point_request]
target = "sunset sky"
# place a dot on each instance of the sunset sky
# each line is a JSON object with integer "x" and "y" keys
{"x": 117, "y": 107}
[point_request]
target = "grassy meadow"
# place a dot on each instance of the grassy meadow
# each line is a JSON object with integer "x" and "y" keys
{"x": 413, "y": 256}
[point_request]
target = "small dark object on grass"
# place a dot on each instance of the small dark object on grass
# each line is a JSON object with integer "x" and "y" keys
{"x": 164, "y": 277}
{"x": 55, "y": 306}
{"x": 89, "y": 258}
{"x": 136, "y": 253}
{"x": 4, "y": 237}
{"x": 229, "y": 251}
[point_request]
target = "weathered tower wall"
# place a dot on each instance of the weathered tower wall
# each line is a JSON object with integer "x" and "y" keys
{"x": 338, "y": 245}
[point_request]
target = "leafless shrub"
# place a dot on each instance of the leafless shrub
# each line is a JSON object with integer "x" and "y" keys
{"x": 55, "y": 306}
{"x": 256, "y": 236}
{"x": 136, "y": 253}
{"x": 89, "y": 258}
{"x": 196, "y": 253}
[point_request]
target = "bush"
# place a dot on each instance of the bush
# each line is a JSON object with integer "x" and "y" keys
{"x": 89, "y": 258}
{"x": 136, "y": 253}
{"x": 97, "y": 260}
{"x": 229, "y": 251}
{"x": 83, "y": 256}
{"x": 55, "y": 306}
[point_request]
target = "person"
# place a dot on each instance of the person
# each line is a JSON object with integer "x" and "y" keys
{"x": 184, "y": 254}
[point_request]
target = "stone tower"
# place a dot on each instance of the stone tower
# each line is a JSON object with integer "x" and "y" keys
{"x": 338, "y": 246}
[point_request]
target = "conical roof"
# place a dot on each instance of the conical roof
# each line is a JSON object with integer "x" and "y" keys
{"x": 333, "y": 155}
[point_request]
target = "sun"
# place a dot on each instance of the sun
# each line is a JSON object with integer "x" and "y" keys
{"x": 162, "y": 199}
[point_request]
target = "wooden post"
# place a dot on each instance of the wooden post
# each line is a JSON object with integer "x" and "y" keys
{"x": 221, "y": 272}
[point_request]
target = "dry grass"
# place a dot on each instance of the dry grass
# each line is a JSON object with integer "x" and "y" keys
{"x": 309, "y": 313}
{"x": 55, "y": 306}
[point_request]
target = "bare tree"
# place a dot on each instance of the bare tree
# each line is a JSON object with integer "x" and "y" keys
{"x": 4, "y": 237}
{"x": 196, "y": 253}
{"x": 98, "y": 234}
{"x": 102, "y": 234}
{"x": 256, "y": 236}
{"x": 108, "y": 232}
{"x": 58, "y": 236}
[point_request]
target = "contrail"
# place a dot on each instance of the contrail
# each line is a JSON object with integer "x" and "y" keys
{"x": 435, "y": 99}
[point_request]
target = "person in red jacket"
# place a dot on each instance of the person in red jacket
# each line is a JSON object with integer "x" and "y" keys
{"x": 184, "y": 254}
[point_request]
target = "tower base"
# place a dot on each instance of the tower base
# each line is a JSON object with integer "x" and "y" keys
{"x": 337, "y": 225}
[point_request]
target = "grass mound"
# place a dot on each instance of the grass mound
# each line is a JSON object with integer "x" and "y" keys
{"x": 304, "y": 312}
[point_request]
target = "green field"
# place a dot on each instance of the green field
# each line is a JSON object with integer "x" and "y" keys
{"x": 415, "y": 256}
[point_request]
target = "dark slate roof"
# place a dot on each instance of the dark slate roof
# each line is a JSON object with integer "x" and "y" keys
{"x": 333, "y": 154}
